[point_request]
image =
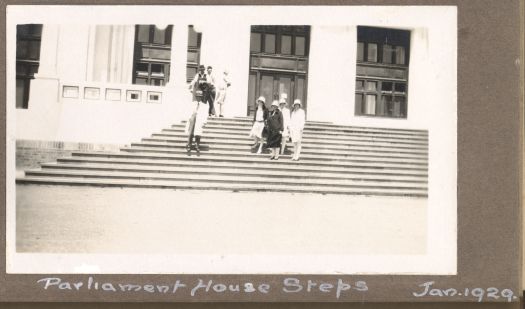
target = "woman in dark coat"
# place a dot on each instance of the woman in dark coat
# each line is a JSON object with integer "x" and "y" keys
{"x": 275, "y": 129}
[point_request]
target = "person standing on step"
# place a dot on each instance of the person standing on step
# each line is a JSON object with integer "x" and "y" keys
{"x": 286, "y": 121}
{"x": 211, "y": 91}
{"x": 197, "y": 120}
{"x": 297, "y": 121}
{"x": 259, "y": 123}
{"x": 223, "y": 85}
{"x": 275, "y": 130}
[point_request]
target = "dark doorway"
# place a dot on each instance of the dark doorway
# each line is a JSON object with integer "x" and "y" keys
{"x": 278, "y": 64}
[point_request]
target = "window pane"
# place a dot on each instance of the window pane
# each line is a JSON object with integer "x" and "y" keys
{"x": 286, "y": 44}
{"x": 360, "y": 51}
{"x": 142, "y": 67}
{"x": 141, "y": 81}
{"x": 156, "y": 82}
{"x": 190, "y": 72}
{"x": 34, "y": 50}
{"x": 20, "y": 91}
{"x": 370, "y": 106}
{"x": 157, "y": 68}
{"x": 372, "y": 52}
{"x": 399, "y": 107}
{"x": 193, "y": 56}
{"x": 358, "y": 104}
{"x": 300, "y": 46}
{"x": 386, "y": 86}
{"x": 159, "y": 36}
{"x": 143, "y": 33}
{"x": 359, "y": 85}
{"x": 371, "y": 86}
{"x": 255, "y": 42}
{"x": 384, "y": 109}
{"x": 387, "y": 53}
{"x": 192, "y": 37}
{"x": 22, "y": 49}
{"x": 269, "y": 43}
{"x": 400, "y": 87}
{"x": 22, "y": 69}
{"x": 400, "y": 55}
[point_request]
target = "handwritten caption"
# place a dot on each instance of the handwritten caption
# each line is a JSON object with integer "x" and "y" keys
{"x": 201, "y": 286}
{"x": 478, "y": 294}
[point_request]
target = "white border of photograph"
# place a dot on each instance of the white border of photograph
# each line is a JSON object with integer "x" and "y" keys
{"x": 441, "y": 257}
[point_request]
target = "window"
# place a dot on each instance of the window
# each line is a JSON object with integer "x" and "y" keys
{"x": 279, "y": 40}
{"x": 194, "y": 49}
{"x": 382, "y": 72}
{"x": 380, "y": 98}
{"x": 152, "y": 55}
{"x": 28, "y": 38}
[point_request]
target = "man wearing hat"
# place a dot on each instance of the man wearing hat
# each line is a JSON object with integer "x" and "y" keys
{"x": 297, "y": 120}
{"x": 210, "y": 97}
{"x": 259, "y": 122}
{"x": 199, "y": 85}
{"x": 275, "y": 129}
{"x": 197, "y": 120}
{"x": 286, "y": 121}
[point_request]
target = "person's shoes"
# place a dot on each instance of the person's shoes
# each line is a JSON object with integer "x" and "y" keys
{"x": 276, "y": 158}
{"x": 221, "y": 116}
{"x": 272, "y": 158}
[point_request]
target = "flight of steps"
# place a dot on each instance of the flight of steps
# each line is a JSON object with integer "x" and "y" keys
{"x": 334, "y": 160}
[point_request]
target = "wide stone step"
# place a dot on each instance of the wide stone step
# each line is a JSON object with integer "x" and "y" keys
{"x": 206, "y": 149}
{"x": 305, "y": 151}
{"x": 312, "y": 136}
{"x": 235, "y": 187}
{"x": 319, "y": 125}
{"x": 197, "y": 163}
{"x": 230, "y": 179}
{"x": 317, "y": 131}
{"x": 212, "y": 170}
{"x": 254, "y": 158}
{"x": 305, "y": 146}
{"x": 305, "y": 140}
{"x": 251, "y": 156}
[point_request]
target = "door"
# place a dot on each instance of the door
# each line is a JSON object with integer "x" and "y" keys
{"x": 273, "y": 86}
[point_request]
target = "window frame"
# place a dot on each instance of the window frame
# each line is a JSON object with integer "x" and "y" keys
{"x": 26, "y": 68}
{"x": 150, "y": 44}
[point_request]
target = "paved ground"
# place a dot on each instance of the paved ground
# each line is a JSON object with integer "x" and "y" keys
{"x": 63, "y": 219}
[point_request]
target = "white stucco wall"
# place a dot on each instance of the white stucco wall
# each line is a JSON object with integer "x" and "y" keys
{"x": 331, "y": 73}
{"x": 227, "y": 47}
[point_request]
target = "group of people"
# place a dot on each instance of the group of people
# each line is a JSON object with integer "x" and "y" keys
{"x": 207, "y": 93}
{"x": 277, "y": 124}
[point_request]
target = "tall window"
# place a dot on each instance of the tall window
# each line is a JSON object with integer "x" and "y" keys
{"x": 152, "y": 55}
{"x": 28, "y": 38}
{"x": 194, "y": 52}
{"x": 382, "y": 72}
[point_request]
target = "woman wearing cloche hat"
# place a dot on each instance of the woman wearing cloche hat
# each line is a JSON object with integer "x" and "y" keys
{"x": 259, "y": 122}
{"x": 275, "y": 129}
{"x": 297, "y": 120}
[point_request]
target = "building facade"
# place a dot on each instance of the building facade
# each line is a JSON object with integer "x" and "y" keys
{"x": 118, "y": 83}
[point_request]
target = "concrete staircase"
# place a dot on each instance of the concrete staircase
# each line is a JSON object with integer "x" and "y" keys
{"x": 334, "y": 160}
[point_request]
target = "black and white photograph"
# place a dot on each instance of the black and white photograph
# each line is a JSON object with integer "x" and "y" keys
{"x": 232, "y": 139}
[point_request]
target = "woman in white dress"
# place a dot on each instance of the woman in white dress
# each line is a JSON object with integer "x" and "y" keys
{"x": 297, "y": 121}
{"x": 286, "y": 122}
{"x": 259, "y": 122}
